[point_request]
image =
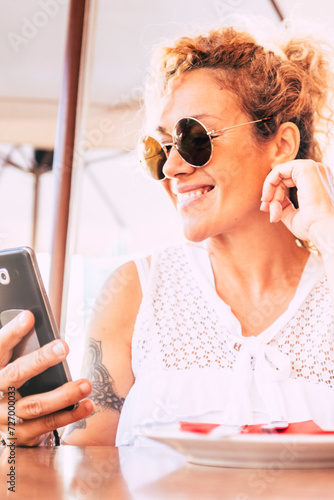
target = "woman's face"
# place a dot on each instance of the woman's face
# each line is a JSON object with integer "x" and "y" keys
{"x": 223, "y": 196}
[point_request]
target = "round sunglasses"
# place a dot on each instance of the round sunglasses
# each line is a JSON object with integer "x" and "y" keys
{"x": 192, "y": 141}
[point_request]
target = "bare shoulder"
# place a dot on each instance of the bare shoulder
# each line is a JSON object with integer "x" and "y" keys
{"x": 119, "y": 300}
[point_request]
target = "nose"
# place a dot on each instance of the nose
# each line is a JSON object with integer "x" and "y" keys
{"x": 176, "y": 165}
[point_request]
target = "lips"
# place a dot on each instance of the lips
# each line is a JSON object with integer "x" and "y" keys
{"x": 190, "y": 193}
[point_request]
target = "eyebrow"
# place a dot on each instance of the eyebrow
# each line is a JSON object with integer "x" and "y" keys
{"x": 163, "y": 130}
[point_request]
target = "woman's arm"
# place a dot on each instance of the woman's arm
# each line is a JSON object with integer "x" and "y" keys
{"x": 323, "y": 238}
{"x": 313, "y": 221}
{"x": 107, "y": 359}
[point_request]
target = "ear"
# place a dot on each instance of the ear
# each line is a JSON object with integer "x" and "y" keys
{"x": 285, "y": 143}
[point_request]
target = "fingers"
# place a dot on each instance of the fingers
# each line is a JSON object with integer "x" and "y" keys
{"x": 30, "y": 432}
{"x": 274, "y": 198}
{"x": 275, "y": 192}
{"x": 12, "y": 333}
{"x": 15, "y": 374}
{"x": 276, "y": 184}
{"x": 275, "y": 206}
{"x": 42, "y": 413}
{"x": 43, "y": 404}
{"x": 314, "y": 182}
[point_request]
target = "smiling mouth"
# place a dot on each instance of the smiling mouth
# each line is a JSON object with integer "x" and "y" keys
{"x": 193, "y": 195}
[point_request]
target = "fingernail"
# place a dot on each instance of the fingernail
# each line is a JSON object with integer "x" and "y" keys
{"x": 85, "y": 387}
{"x": 59, "y": 349}
{"x": 23, "y": 318}
{"x": 264, "y": 206}
{"x": 88, "y": 404}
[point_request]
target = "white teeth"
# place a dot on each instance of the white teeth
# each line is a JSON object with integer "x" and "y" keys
{"x": 182, "y": 197}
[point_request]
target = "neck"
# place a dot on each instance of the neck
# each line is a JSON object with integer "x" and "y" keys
{"x": 257, "y": 263}
{"x": 257, "y": 277}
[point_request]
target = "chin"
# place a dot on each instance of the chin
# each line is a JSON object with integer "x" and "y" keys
{"x": 195, "y": 235}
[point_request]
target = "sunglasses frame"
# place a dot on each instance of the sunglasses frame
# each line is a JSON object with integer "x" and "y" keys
{"x": 213, "y": 134}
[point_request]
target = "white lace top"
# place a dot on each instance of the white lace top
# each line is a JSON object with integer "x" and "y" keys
{"x": 191, "y": 361}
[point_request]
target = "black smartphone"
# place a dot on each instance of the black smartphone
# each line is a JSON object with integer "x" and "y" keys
{"x": 21, "y": 288}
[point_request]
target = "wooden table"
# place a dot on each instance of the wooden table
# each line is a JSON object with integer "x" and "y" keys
{"x": 66, "y": 473}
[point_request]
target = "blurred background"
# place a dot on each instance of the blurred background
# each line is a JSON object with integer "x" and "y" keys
{"x": 118, "y": 212}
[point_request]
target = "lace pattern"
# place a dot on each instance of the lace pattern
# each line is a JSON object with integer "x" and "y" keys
{"x": 178, "y": 329}
{"x": 308, "y": 338}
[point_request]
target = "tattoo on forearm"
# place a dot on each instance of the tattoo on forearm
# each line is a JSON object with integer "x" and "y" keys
{"x": 103, "y": 393}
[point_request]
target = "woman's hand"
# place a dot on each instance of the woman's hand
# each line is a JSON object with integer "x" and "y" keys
{"x": 36, "y": 415}
{"x": 314, "y": 219}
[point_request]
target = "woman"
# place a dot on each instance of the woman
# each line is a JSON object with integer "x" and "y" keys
{"x": 236, "y": 325}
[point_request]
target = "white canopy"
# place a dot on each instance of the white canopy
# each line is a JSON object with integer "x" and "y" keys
{"x": 32, "y": 58}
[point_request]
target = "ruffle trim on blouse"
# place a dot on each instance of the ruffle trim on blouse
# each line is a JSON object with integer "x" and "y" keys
{"x": 205, "y": 396}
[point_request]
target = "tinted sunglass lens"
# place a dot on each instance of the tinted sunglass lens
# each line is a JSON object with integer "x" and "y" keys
{"x": 192, "y": 142}
{"x": 152, "y": 157}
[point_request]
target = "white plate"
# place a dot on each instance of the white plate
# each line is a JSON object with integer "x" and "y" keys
{"x": 276, "y": 451}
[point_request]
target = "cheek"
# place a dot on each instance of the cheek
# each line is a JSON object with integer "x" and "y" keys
{"x": 230, "y": 171}
{"x": 241, "y": 164}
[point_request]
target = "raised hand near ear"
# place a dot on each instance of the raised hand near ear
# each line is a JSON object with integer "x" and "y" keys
{"x": 314, "y": 219}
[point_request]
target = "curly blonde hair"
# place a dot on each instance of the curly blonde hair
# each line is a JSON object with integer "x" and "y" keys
{"x": 291, "y": 83}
